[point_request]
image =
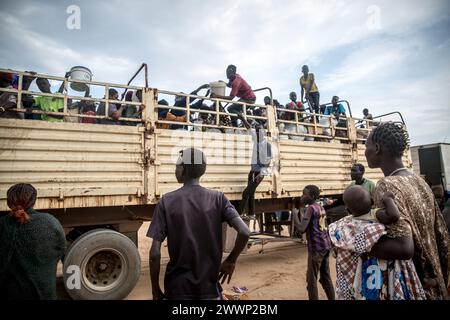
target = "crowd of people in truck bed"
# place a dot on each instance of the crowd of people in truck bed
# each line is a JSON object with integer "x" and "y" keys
{"x": 292, "y": 125}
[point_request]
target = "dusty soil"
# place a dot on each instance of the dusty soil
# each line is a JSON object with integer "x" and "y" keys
{"x": 273, "y": 271}
{"x": 278, "y": 272}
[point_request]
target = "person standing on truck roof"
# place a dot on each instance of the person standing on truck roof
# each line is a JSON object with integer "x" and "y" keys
{"x": 357, "y": 174}
{"x": 420, "y": 217}
{"x": 31, "y": 244}
{"x": 314, "y": 224}
{"x": 191, "y": 219}
{"x": 310, "y": 90}
{"x": 261, "y": 158}
{"x": 239, "y": 88}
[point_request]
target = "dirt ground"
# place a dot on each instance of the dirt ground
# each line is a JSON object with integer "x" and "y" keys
{"x": 278, "y": 273}
{"x": 273, "y": 271}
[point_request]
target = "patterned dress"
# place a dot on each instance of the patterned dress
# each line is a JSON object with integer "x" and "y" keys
{"x": 421, "y": 218}
{"x": 364, "y": 277}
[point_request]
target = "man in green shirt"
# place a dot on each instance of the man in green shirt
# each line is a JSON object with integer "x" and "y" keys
{"x": 357, "y": 174}
{"x": 50, "y": 104}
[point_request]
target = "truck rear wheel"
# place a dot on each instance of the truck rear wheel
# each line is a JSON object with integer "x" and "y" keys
{"x": 108, "y": 265}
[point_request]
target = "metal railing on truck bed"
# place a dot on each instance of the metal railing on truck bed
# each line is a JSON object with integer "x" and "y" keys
{"x": 77, "y": 165}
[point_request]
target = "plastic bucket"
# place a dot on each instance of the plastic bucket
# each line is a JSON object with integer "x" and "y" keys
{"x": 218, "y": 88}
{"x": 80, "y": 73}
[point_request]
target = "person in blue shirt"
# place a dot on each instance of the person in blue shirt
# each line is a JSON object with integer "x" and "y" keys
{"x": 336, "y": 109}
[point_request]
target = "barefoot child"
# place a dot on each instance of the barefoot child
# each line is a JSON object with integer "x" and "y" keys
{"x": 319, "y": 244}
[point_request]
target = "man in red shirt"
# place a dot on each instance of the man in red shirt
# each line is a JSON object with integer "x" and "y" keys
{"x": 239, "y": 88}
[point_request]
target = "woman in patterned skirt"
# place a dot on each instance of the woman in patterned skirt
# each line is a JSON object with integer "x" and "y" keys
{"x": 419, "y": 215}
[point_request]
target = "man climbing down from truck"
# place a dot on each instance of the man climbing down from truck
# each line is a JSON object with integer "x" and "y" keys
{"x": 191, "y": 219}
{"x": 239, "y": 88}
{"x": 261, "y": 158}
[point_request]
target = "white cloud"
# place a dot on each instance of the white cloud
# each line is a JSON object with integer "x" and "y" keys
{"x": 187, "y": 43}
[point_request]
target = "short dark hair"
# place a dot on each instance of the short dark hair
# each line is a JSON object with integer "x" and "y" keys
{"x": 357, "y": 199}
{"x": 163, "y": 102}
{"x": 392, "y": 136}
{"x": 40, "y": 81}
{"x": 335, "y": 97}
{"x": 232, "y": 67}
{"x": 365, "y": 109}
{"x": 112, "y": 91}
{"x": 314, "y": 191}
{"x": 193, "y": 162}
{"x": 360, "y": 166}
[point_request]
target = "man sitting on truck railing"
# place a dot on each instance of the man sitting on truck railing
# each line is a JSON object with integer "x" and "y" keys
{"x": 239, "y": 88}
{"x": 50, "y": 104}
{"x": 337, "y": 110}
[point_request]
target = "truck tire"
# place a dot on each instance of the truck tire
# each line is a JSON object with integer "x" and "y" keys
{"x": 101, "y": 264}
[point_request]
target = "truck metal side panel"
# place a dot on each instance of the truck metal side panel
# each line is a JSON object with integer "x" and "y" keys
{"x": 324, "y": 164}
{"x": 228, "y": 157}
{"x": 72, "y": 165}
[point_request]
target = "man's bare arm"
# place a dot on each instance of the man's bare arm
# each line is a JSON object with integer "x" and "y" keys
{"x": 390, "y": 213}
{"x": 155, "y": 266}
{"x": 227, "y": 267}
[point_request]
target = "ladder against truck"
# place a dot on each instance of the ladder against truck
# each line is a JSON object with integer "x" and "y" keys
{"x": 103, "y": 181}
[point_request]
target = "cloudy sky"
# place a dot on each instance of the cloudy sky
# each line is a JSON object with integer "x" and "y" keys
{"x": 384, "y": 55}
